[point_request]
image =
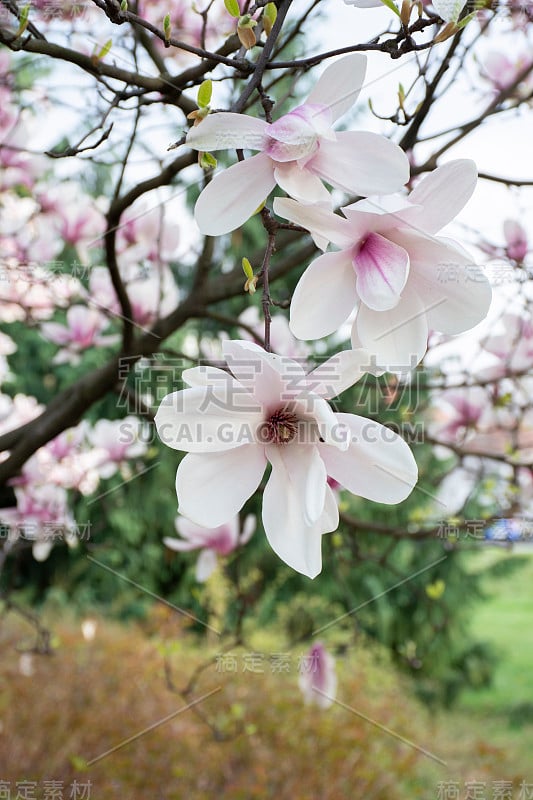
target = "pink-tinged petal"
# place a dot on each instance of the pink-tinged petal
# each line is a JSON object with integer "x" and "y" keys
{"x": 378, "y": 465}
{"x": 295, "y": 542}
{"x": 228, "y": 131}
{"x": 301, "y": 184}
{"x": 443, "y": 193}
{"x": 234, "y": 194}
{"x": 318, "y": 679}
{"x": 339, "y": 85}
{"x": 196, "y": 534}
{"x": 268, "y": 376}
{"x": 455, "y": 292}
{"x": 208, "y": 419}
{"x": 361, "y": 163}
{"x": 382, "y": 268}
{"x": 397, "y": 338}
{"x": 324, "y": 297}
{"x": 179, "y": 545}
{"x": 338, "y": 373}
{"x": 248, "y": 528}
{"x": 213, "y": 488}
{"x": 319, "y": 221}
{"x": 206, "y": 565}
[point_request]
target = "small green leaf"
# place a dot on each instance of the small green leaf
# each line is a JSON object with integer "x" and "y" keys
{"x": 124, "y": 5}
{"x": 167, "y": 26}
{"x": 207, "y": 161}
{"x": 204, "y": 94}
{"x": 105, "y": 49}
{"x": 23, "y": 20}
{"x": 465, "y": 20}
{"x": 269, "y": 17}
{"x": 247, "y": 269}
{"x": 232, "y": 7}
{"x": 391, "y": 5}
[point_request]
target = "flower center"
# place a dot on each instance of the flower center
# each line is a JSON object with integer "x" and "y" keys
{"x": 280, "y": 428}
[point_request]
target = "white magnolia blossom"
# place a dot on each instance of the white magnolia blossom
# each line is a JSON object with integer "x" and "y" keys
{"x": 268, "y": 411}
{"x": 401, "y": 278}
{"x": 297, "y": 152}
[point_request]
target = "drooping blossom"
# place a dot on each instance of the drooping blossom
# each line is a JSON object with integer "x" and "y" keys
{"x": 318, "y": 677}
{"x": 515, "y": 239}
{"x": 298, "y": 152}
{"x": 212, "y": 542}
{"x": 400, "y": 278}
{"x": 83, "y": 330}
{"x": 267, "y": 410}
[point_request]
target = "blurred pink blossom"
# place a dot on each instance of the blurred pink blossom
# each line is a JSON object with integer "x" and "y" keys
{"x": 212, "y": 542}
{"x": 318, "y": 678}
{"x": 516, "y": 239}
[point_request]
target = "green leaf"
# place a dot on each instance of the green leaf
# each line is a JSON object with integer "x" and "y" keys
{"x": 207, "y": 161}
{"x": 465, "y": 20}
{"x": 247, "y": 269}
{"x": 167, "y": 26}
{"x": 232, "y": 7}
{"x": 391, "y": 5}
{"x": 105, "y": 49}
{"x": 204, "y": 94}
{"x": 23, "y": 21}
{"x": 124, "y": 5}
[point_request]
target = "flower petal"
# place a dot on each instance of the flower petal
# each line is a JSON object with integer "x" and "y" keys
{"x": 455, "y": 292}
{"x": 203, "y": 375}
{"x": 382, "y": 268}
{"x": 297, "y": 543}
{"x": 228, "y": 131}
{"x": 338, "y": 373}
{"x": 324, "y": 297}
{"x": 378, "y": 464}
{"x": 248, "y": 528}
{"x": 208, "y": 418}
{"x": 361, "y": 163}
{"x": 206, "y": 565}
{"x": 213, "y": 488}
{"x": 234, "y": 194}
{"x": 339, "y": 85}
{"x": 396, "y": 338}
{"x": 318, "y": 220}
{"x": 267, "y": 376}
{"x": 443, "y": 193}
{"x": 301, "y": 184}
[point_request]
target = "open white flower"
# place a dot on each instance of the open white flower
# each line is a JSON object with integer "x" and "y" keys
{"x": 401, "y": 278}
{"x": 269, "y": 411}
{"x": 297, "y": 152}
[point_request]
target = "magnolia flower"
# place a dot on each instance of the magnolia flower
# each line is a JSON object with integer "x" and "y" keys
{"x": 269, "y": 411}
{"x": 513, "y": 347}
{"x": 212, "y": 542}
{"x": 502, "y": 71}
{"x": 318, "y": 679}
{"x": 298, "y": 152}
{"x": 117, "y": 441}
{"x": 83, "y": 329}
{"x": 515, "y": 239}
{"x": 400, "y": 278}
